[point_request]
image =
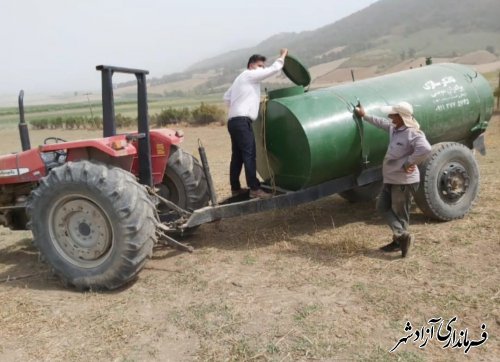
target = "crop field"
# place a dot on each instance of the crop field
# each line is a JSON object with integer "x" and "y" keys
{"x": 10, "y": 115}
{"x": 306, "y": 283}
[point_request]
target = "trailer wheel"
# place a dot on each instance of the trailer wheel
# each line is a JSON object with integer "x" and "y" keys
{"x": 363, "y": 193}
{"x": 94, "y": 224}
{"x": 184, "y": 182}
{"x": 449, "y": 182}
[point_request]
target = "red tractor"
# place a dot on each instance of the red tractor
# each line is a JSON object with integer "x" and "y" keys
{"x": 95, "y": 206}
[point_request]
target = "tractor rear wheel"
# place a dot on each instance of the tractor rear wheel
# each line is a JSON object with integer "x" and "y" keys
{"x": 94, "y": 224}
{"x": 184, "y": 182}
{"x": 449, "y": 182}
{"x": 185, "y": 185}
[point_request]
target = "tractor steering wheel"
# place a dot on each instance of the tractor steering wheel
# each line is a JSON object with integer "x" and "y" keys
{"x": 49, "y": 140}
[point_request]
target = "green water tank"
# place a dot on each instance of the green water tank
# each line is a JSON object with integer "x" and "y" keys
{"x": 310, "y": 137}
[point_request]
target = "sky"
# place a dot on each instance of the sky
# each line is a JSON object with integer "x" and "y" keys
{"x": 54, "y": 45}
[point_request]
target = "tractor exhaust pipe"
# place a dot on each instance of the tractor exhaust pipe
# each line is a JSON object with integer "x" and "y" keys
{"x": 23, "y": 127}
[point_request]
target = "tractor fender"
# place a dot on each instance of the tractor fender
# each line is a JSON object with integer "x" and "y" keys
{"x": 115, "y": 150}
{"x": 116, "y": 146}
{"x": 161, "y": 141}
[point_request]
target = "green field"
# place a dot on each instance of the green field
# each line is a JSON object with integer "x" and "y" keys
{"x": 9, "y": 116}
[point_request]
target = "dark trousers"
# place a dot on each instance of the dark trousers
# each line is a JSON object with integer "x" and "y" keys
{"x": 394, "y": 204}
{"x": 243, "y": 153}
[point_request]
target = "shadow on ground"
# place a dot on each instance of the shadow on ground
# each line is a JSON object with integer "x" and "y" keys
{"x": 306, "y": 229}
{"x": 21, "y": 267}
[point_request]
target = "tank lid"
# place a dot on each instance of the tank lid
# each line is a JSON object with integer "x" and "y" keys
{"x": 296, "y": 72}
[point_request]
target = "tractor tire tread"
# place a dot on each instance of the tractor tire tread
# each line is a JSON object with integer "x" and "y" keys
{"x": 132, "y": 215}
{"x": 424, "y": 197}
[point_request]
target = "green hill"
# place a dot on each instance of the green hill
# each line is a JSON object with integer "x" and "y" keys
{"x": 380, "y": 36}
{"x": 421, "y": 27}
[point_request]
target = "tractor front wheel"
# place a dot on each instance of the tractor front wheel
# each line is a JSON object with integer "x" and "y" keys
{"x": 94, "y": 224}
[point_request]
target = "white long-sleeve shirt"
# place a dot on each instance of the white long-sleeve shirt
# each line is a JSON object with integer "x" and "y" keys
{"x": 243, "y": 97}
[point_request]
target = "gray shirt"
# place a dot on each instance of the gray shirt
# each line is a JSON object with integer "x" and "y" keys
{"x": 407, "y": 146}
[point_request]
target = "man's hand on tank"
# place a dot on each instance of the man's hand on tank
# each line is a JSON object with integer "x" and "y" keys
{"x": 283, "y": 52}
{"x": 359, "y": 111}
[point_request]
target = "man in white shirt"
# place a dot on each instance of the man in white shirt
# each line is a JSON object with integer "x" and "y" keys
{"x": 243, "y": 99}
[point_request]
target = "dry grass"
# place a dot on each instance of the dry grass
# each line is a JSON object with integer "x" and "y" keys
{"x": 289, "y": 285}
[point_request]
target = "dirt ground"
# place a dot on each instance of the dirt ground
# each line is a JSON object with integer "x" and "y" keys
{"x": 300, "y": 284}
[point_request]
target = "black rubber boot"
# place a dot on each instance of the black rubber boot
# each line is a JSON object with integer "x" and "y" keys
{"x": 406, "y": 241}
{"x": 392, "y": 246}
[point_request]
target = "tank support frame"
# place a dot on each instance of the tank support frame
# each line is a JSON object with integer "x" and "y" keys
{"x": 232, "y": 208}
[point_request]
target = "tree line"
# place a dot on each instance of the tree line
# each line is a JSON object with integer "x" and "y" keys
{"x": 202, "y": 115}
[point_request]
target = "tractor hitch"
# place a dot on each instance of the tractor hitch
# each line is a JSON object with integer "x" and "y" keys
{"x": 168, "y": 240}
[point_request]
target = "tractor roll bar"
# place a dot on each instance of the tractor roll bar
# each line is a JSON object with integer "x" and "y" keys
{"x": 108, "y": 115}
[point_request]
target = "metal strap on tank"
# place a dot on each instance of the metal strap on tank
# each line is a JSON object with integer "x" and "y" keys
{"x": 365, "y": 174}
{"x": 263, "y": 116}
{"x": 364, "y": 146}
{"x": 365, "y": 150}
